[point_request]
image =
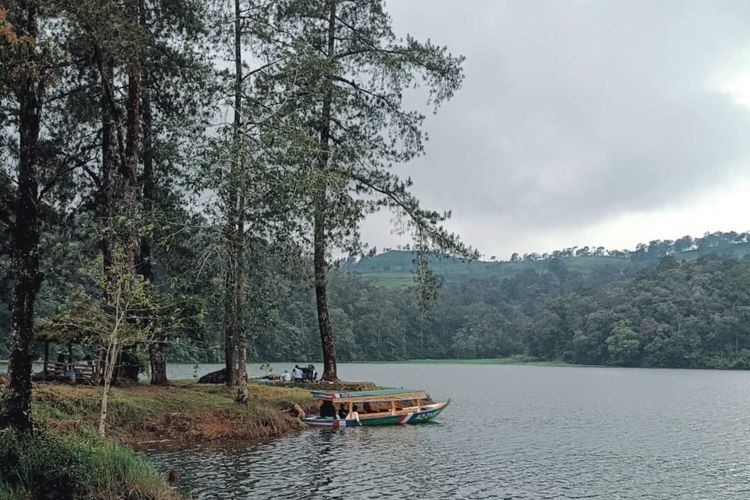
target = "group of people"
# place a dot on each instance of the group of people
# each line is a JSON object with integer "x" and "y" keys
{"x": 328, "y": 410}
{"x": 300, "y": 374}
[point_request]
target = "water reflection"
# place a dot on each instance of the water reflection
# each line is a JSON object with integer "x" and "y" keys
{"x": 319, "y": 463}
{"x": 511, "y": 432}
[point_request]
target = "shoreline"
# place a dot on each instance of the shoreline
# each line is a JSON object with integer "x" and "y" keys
{"x": 183, "y": 413}
{"x": 509, "y": 361}
{"x": 516, "y": 361}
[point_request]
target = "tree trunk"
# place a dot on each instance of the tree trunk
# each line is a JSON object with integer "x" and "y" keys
{"x": 158, "y": 364}
{"x": 121, "y": 193}
{"x": 129, "y": 242}
{"x": 107, "y": 188}
{"x": 319, "y": 222}
{"x": 133, "y": 122}
{"x": 109, "y": 368}
{"x": 229, "y": 333}
{"x": 234, "y": 330}
{"x": 16, "y": 408}
{"x": 242, "y": 396}
{"x": 157, "y": 359}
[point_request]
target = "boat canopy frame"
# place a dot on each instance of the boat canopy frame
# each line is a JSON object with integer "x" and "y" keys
{"x": 375, "y": 396}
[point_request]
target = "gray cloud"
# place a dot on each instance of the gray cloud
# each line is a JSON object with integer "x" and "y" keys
{"x": 575, "y": 112}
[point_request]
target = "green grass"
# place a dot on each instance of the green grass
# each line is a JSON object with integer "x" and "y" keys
{"x": 55, "y": 402}
{"x": 79, "y": 464}
{"x": 182, "y": 413}
{"x": 67, "y": 455}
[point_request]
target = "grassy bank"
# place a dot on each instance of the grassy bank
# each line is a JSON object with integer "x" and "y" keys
{"x": 76, "y": 465}
{"x": 181, "y": 413}
{"x": 66, "y": 455}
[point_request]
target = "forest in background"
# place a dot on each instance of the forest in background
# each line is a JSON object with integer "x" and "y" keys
{"x": 683, "y": 303}
{"x": 664, "y": 304}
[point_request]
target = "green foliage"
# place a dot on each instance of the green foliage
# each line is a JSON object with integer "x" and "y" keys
{"x": 346, "y": 57}
{"x": 623, "y": 345}
{"x": 393, "y": 267}
{"x": 79, "y": 465}
{"x": 675, "y": 313}
{"x": 112, "y": 306}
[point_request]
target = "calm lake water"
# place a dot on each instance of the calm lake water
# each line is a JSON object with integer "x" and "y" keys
{"x": 511, "y": 432}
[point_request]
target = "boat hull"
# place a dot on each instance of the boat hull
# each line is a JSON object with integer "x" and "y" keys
{"x": 424, "y": 414}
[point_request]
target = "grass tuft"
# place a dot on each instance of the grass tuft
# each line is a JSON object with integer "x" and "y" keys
{"x": 78, "y": 465}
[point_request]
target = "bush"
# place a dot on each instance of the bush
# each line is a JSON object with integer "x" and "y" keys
{"x": 80, "y": 465}
{"x": 730, "y": 361}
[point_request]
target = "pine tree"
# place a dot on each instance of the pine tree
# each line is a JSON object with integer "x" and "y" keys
{"x": 357, "y": 73}
{"x": 24, "y": 74}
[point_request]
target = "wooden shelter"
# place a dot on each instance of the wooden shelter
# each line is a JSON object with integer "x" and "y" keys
{"x": 86, "y": 372}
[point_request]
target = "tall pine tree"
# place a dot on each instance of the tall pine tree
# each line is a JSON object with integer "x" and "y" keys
{"x": 358, "y": 71}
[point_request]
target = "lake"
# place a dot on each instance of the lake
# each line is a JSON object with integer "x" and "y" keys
{"x": 511, "y": 432}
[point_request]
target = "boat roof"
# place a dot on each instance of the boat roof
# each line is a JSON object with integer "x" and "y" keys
{"x": 371, "y": 396}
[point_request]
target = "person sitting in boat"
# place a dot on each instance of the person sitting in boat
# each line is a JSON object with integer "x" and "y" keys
{"x": 354, "y": 415}
{"x": 342, "y": 411}
{"x": 327, "y": 410}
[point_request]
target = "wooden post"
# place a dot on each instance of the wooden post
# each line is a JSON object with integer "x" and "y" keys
{"x": 351, "y": 408}
{"x": 46, "y": 359}
{"x": 393, "y": 407}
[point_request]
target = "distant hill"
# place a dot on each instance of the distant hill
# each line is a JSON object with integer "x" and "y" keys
{"x": 393, "y": 268}
{"x": 651, "y": 307}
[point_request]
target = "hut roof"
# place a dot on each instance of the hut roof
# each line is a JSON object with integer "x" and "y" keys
{"x": 61, "y": 332}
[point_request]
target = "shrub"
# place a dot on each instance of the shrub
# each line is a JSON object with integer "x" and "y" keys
{"x": 80, "y": 465}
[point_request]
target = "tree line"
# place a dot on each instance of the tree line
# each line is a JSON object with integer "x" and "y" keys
{"x": 690, "y": 313}
{"x": 716, "y": 242}
{"x": 155, "y": 155}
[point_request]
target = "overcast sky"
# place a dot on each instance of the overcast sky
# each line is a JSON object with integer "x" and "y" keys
{"x": 585, "y": 122}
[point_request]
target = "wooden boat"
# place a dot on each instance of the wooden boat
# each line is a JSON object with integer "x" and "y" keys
{"x": 379, "y": 407}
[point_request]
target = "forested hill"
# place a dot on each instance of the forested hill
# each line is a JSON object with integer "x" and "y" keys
{"x": 394, "y": 267}
{"x": 654, "y": 306}
{"x": 675, "y": 313}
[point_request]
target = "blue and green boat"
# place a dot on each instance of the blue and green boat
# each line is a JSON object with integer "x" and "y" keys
{"x": 371, "y": 408}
